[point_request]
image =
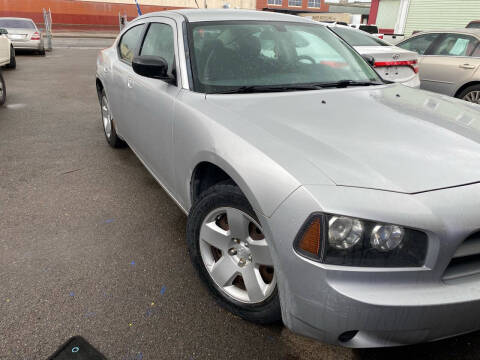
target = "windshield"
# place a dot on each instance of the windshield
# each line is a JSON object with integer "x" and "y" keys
{"x": 231, "y": 54}
{"x": 16, "y": 24}
{"x": 357, "y": 37}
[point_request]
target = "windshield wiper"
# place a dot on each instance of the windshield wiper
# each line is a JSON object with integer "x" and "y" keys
{"x": 295, "y": 87}
{"x": 267, "y": 88}
{"x": 345, "y": 83}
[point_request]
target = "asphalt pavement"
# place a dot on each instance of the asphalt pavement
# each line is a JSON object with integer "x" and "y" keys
{"x": 91, "y": 245}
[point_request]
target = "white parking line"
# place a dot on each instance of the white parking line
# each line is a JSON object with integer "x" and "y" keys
{"x": 15, "y": 106}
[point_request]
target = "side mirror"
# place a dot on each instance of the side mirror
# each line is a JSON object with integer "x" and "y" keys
{"x": 369, "y": 59}
{"x": 151, "y": 66}
{"x": 3, "y": 31}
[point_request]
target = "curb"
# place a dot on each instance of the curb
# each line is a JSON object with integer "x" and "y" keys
{"x": 80, "y": 36}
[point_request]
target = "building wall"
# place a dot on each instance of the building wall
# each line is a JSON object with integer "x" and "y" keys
{"x": 414, "y": 15}
{"x": 440, "y": 14}
{"x": 101, "y": 15}
{"x": 240, "y": 4}
{"x": 285, "y": 7}
{"x": 387, "y": 14}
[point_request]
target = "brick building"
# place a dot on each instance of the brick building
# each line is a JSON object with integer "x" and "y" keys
{"x": 292, "y": 6}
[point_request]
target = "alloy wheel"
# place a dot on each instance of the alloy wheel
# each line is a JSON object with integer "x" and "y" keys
{"x": 473, "y": 96}
{"x": 237, "y": 256}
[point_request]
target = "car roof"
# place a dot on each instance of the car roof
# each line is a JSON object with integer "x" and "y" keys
{"x": 334, "y": 24}
{"x": 16, "y": 18}
{"x": 196, "y": 15}
{"x": 469, "y": 31}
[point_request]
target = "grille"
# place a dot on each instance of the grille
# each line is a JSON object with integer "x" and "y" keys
{"x": 466, "y": 260}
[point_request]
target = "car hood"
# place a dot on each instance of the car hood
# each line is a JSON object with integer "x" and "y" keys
{"x": 387, "y": 137}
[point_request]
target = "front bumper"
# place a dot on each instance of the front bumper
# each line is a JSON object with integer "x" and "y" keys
{"x": 387, "y": 307}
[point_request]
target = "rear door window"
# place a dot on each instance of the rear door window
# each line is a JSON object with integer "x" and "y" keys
{"x": 455, "y": 45}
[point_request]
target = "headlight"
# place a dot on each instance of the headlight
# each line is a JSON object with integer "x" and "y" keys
{"x": 386, "y": 237}
{"x": 343, "y": 240}
{"x": 344, "y": 232}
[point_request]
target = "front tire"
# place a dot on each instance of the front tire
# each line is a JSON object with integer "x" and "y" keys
{"x": 108, "y": 123}
{"x": 13, "y": 60}
{"x": 3, "y": 90}
{"x": 471, "y": 94}
{"x": 228, "y": 249}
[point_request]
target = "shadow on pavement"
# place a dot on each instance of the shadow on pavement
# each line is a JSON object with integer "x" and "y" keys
{"x": 465, "y": 347}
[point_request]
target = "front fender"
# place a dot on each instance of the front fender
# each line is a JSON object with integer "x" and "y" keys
{"x": 198, "y": 138}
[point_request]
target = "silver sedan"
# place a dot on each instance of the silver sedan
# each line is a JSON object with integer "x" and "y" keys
{"x": 449, "y": 62}
{"x": 316, "y": 193}
{"x": 23, "y": 33}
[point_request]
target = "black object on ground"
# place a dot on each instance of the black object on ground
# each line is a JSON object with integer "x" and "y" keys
{"x": 77, "y": 348}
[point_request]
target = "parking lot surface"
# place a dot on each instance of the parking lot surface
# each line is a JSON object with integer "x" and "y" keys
{"x": 91, "y": 245}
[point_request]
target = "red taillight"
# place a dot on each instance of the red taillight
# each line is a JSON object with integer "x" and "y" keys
{"x": 410, "y": 63}
{"x": 35, "y": 36}
{"x": 380, "y": 37}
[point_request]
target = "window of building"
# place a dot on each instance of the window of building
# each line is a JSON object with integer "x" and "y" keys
{"x": 294, "y": 2}
{"x": 275, "y": 2}
{"x": 314, "y": 3}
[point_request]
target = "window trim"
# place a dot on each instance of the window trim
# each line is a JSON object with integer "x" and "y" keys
{"x": 175, "y": 46}
{"x": 281, "y": 3}
{"x": 314, "y": 7}
{"x": 142, "y": 35}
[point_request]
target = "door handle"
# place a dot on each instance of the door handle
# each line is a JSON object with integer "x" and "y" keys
{"x": 130, "y": 82}
{"x": 467, "y": 66}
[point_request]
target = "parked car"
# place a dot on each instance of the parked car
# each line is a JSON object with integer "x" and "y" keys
{"x": 373, "y": 30}
{"x": 391, "y": 62}
{"x": 474, "y": 24}
{"x": 5, "y": 60}
{"x": 449, "y": 61}
{"x": 23, "y": 33}
{"x": 315, "y": 192}
{"x": 7, "y": 52}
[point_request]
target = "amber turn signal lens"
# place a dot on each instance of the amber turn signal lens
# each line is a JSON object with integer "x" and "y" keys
{"x": 310, "y": 241}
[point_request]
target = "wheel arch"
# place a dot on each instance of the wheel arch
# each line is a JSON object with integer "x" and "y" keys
{"x": 464, "y": 86}
{"x": 99, "y": 86}
{"x": 212, "y": 169}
